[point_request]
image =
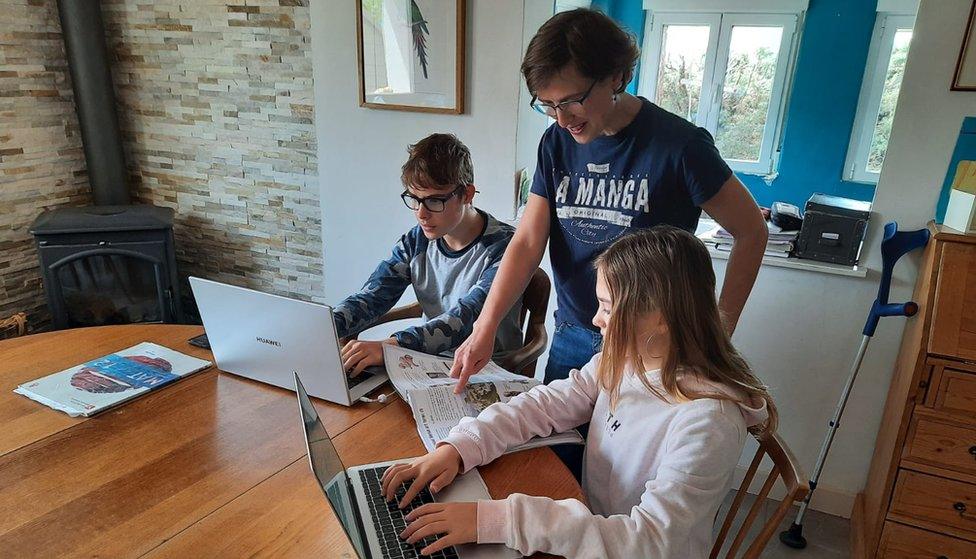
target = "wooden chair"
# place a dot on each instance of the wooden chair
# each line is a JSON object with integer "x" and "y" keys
{"x": 784, "y": 467}
{"x": 532, "y": 320}
{"x": 13, "y": 326}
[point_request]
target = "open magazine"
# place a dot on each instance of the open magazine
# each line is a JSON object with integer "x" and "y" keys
{"x": 99, "y": 384}
{"x": 423, "y": 381}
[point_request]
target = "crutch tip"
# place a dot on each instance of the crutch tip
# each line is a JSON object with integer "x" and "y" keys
{"x": 793, "y": 537}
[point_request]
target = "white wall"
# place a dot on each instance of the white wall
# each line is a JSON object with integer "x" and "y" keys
{"x": 362, "y": 149}
{"x": 800, "y": 329}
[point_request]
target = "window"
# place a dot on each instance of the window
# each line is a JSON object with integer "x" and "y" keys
{"x": 879, "y": 95}
{"x": 725, "y": 72}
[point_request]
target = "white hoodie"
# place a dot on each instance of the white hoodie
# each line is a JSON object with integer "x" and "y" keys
{"x": 654, "y": 472}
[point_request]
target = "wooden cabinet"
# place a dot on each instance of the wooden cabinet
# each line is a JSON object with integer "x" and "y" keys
{"x": 904, "y": 542}
{"x": 953, "y": 332}
{"x": 920, "y": 499}
{"x": 935, "y": 502}
{"x": 941, "y": 443}
{"x": 954, "y": 392}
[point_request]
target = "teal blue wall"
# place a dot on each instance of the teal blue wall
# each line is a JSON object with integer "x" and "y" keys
{"x": 820, "y": 113}
{"x": 823, "y": 102}
{"x": 630, "y": 15}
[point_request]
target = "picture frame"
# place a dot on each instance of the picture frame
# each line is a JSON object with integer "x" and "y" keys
{"x": 411, "y": 55}
{"x": 964, "y": 78}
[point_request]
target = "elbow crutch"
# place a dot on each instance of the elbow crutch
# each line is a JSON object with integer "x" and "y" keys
{"x": 894, "y": 245}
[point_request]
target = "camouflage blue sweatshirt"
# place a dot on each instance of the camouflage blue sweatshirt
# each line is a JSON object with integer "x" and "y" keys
{"x": 451, "y": 287}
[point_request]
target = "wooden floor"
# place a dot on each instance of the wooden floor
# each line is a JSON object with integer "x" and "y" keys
{"x": 828, "y": 537}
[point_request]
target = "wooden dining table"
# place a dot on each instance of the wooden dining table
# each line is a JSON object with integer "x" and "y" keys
{"x": 212, "y": 465}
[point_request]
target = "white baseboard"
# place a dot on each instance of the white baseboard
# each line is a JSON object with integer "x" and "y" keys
{"x": 826, "y": 499}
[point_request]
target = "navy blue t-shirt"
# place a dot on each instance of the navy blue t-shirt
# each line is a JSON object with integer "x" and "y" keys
{"x": 659, "y": 169}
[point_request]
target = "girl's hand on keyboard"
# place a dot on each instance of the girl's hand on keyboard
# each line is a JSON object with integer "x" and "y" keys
{"x": 456, "y": 523}
{"x": 438, "y": 468}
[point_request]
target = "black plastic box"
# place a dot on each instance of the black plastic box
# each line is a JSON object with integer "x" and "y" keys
{"x": 833, "y": 229}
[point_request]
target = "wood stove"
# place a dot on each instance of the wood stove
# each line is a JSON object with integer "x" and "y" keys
{"x": 108, "y": 265}
{"x": 114, "y": 262}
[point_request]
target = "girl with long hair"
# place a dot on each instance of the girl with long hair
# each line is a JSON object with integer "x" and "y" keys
{"x": 670, "y": 403}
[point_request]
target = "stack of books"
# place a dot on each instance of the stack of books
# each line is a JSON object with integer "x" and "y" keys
{"x": 779, "y": 245}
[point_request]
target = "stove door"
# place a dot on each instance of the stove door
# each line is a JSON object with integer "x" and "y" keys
{"x": 108, "y": 283}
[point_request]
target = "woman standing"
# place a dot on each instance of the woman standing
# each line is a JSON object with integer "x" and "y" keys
{"x": 610, "y": 164}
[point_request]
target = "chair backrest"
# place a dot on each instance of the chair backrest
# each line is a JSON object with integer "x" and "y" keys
{"x": 532, "y": 320}
{"x": 13, "y": 326}
{"x": 785, "y": 467}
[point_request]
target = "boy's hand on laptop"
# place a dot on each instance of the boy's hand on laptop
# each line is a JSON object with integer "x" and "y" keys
{"x": 472, "y": 355}
{"x": 359, "y": 354}
{"x": 456, "y": 523}
{"x": 438, "y": 468}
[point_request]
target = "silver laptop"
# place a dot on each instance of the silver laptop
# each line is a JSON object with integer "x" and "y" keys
{"x": 265, "y": 337}
{"x": 356, "y": 497}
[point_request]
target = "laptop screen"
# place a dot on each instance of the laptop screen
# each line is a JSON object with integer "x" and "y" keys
{"x": 328, "y": 469}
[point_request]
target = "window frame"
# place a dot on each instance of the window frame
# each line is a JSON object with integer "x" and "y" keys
{"x": 716, "y": 64}
{"x": 886, "y": 26}
{"x": 653, "y": 49}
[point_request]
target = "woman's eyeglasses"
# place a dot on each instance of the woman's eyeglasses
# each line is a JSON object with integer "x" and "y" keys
{"x": 432, "y": 203}
{"x": 571, "y": 105}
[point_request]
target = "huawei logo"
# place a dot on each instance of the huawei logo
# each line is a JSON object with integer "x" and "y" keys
{"x": 267, "y": 341}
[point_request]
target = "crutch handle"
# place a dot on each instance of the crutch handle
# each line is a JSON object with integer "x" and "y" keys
{"x": 894, "y": 245}
{"x": 890, "y": 309}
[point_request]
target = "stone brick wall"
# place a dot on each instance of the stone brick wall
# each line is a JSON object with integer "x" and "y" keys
{"x": 216, "y": 110}
{"x": 215, "y": 101}
{"x": 41, "y": 160}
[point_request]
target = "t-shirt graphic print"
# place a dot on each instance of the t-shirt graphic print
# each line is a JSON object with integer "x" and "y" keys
{"x": 658, "y": 170}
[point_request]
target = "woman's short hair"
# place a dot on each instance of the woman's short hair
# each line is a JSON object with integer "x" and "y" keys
{"x": 587, "y": 39}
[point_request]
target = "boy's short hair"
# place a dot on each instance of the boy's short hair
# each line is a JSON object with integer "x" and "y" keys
{"x": 438, "y": 162}
{"x": 586, "y": 38}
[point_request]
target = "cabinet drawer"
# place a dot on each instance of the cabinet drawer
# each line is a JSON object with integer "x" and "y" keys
{"x": 953, "y": 329}
{"x": 935, "y": 500}
{"x": 904, "y": 542}
{"x": 942, "y": 445}
{"x": 955, "y": 393}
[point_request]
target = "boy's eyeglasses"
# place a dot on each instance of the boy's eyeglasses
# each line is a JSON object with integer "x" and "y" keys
{"x": 571, "y": 105}
{"x": 432, "y": 203}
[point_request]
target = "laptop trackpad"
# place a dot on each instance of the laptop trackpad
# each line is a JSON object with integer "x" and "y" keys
{"x": 467, "y": 487}
{"x": 470, "y": 487}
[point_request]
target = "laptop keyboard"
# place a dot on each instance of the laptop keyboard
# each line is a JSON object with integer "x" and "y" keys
{"x": 362, "y": 377}
{"x": 358, "y": 379}
{"x": 388, "y": 519}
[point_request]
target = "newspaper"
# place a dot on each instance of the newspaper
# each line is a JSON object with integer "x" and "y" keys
{"x": 99, "y": 384}
{"x": 423, "y": 381}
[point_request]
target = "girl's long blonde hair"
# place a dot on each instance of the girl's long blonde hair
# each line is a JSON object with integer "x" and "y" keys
{"x": 668, "y": 269}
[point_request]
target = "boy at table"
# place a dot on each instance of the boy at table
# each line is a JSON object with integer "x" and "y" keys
{"x": 449, "y": 258}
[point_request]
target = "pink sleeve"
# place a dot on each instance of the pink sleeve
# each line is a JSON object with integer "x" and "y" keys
{"x": 546, "y": 409}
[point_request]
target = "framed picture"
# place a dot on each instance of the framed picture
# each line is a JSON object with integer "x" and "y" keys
{"x": 965, "y": 77}
{"x": 411, "y": 55}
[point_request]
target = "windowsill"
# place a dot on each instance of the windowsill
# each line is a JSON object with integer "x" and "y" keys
{"x": 873, "y": 183}
{"x": 706, "y": 224}
{"x": 802, "y": 264}
{"x": 754, "y": 172}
